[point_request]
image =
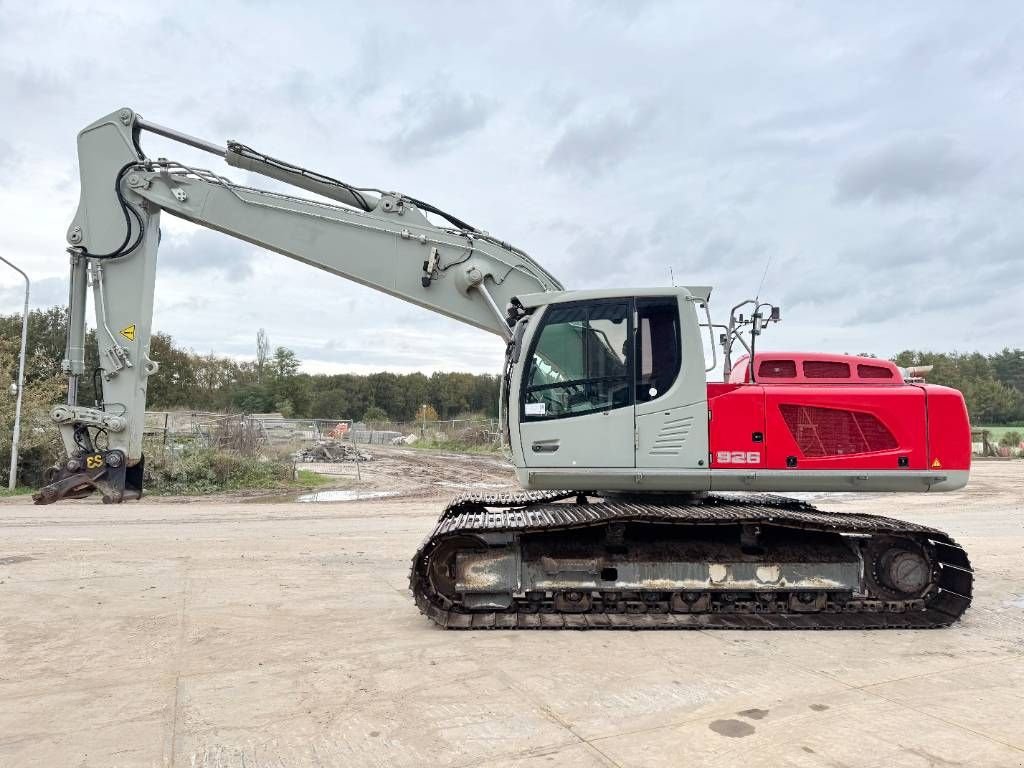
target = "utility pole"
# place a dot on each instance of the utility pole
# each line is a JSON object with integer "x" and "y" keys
{"x": 13, "y": 481}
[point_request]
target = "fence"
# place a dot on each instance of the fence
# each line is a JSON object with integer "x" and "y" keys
{"x": 473, "y": 432}
{"x": 252, "y": 434}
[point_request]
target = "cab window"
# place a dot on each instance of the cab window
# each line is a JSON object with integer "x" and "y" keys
{"x": 658, "y": 347}
{"x": 581, "y": 362}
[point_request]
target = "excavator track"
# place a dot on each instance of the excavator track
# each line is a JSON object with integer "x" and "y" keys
{"x": 535, "y": 560}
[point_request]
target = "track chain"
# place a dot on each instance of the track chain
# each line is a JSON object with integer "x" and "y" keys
{"x": 535, "y": 511}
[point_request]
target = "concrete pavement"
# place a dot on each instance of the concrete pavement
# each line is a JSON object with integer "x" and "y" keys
{"x": 237, "y": 634}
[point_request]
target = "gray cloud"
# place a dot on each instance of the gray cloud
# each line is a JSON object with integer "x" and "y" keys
{"x": 208, "y": 251}
{"x": 8, "y": 157}
{"x": 299, "y": 88}
{"x": 432, "y": 121}
{"x": 920, "y": 269}
{"x": 918, "y": 240}
{"x": 43, "y": 292}
{"x": 553, "y": 103}
{"x": 802, "y": 131}
{"x": 908, "y": 167}
{"x": 32, "y": 83}
{"x": 591, "y": 147}
{"x": 597, "y": 256}
{"x": 629, "y": 139}
{"x": 370, "y": 73}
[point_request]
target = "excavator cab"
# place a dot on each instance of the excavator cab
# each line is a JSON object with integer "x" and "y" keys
{"x": 609, "y": 391}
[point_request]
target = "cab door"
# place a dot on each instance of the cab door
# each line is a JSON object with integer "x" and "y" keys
{"x": 671, "y": 387}
{"x": 577, "y": 392}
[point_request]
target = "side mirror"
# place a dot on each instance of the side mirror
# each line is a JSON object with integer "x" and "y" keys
{"x": 517, "y": 339}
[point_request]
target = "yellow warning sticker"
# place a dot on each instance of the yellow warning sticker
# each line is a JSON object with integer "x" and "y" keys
{"x": 936, "y": 464}
{"x": 129, "y": 332}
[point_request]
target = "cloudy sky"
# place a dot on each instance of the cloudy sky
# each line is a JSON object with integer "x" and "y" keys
{"x": 872, "y": 152}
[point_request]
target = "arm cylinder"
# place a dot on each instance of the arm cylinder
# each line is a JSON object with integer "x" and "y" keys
{"x": 241, "y": 156}
{"x": 183, "y": 138}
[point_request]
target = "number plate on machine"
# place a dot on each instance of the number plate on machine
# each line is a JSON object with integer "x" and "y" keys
{"x": 737, "y": 457}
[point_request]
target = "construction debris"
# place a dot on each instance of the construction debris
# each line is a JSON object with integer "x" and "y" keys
{"x": 332, "y": 451}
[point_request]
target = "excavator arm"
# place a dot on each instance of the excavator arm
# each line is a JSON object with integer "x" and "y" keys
{"x": 380, "y": 239}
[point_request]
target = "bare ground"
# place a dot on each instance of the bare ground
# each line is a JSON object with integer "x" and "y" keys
{"x": 227, "y": 632}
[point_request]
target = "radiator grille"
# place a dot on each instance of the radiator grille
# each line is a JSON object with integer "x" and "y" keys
{"x": 835, "y": 432}
{"x": 777, "y": 369}
{"x": 873, "y": 372}
{"x": 826, "y": 369}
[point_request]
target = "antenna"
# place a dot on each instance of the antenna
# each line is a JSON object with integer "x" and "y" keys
{"x": 671, "y": 276}
{"x": 764, "y": 275}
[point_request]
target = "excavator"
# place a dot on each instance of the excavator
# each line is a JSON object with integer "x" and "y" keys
{"x": 649, "y": 493}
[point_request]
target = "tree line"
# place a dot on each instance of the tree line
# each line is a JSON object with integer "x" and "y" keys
{"x": 993, "y": 385}
{"x": 271, "y": 381}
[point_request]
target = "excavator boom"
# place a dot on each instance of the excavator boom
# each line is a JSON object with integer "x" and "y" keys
{"x": 383, "y": 240}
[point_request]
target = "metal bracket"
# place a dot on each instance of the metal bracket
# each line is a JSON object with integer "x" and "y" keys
{"x": 87, "y": 417}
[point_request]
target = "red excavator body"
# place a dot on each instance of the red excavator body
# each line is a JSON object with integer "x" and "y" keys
{"x": 813, "y": 411}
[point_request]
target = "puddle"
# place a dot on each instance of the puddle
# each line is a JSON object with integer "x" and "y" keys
{"x": 344, "y": 495}
{"x": 467, "y": 486}
{"x": 734, "y": 729}
{"x": 753, "y": 714}
{"x": 336, "y": 494}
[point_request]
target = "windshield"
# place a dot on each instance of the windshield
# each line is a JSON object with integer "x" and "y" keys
{"x": 581, "y": 361}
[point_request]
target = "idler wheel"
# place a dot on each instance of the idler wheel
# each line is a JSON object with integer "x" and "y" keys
{"x": 904, "y": 571}
{"x": 898, "y": 568}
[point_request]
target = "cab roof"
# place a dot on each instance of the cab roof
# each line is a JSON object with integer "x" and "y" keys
{"x": 534, "y": 300}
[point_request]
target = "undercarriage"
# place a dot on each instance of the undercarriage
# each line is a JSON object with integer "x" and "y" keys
{"x": 578, "y": 561}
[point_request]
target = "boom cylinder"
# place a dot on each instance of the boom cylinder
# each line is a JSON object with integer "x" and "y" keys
{"x": 74, "y": 352}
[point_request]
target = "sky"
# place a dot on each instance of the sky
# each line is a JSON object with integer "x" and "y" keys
{"x": 859, "y": 164}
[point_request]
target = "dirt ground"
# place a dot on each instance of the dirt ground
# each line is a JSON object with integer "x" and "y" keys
{"x": 233, "y": 632}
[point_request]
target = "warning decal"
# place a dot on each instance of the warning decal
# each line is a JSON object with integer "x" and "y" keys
{"x": 936, "y": 464}
{"x": 129, "y": 332}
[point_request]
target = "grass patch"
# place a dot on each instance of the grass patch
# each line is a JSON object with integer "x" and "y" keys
{"x": 996, "y": 431}
{"x": 21, "y": 490}
{"x": 196, "y": 472}
{"x": 456, "y": 446}
{"x": 309, "y": 479}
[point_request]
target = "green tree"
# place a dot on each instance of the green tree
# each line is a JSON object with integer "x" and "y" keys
{"x": 39, "y": 442}
{"x": 989, "y": 400}
{"x": 375, "y": 413}
{"x": 252, "y": 398}
{"x": 285, "y": 363}
{"x": 1008, "y": 367}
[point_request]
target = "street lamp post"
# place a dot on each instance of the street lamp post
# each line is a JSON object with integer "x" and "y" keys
{"x": 21, "y": 380}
